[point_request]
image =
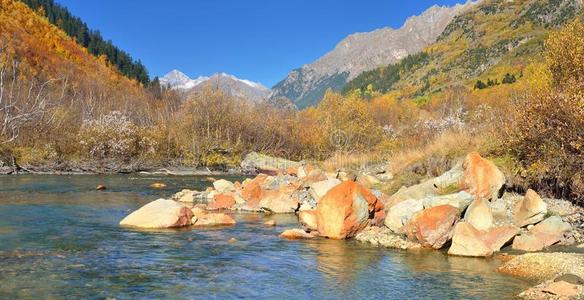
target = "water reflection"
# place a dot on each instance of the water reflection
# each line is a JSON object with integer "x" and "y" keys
{"x": 341, "y": 262}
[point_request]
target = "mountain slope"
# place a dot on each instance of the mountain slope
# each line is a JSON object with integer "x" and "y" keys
{"x": 229, "y": 84}
{"x": 90, "y": 39}
{"x": 362, "y": 52}
{"x": 494, "y": 40}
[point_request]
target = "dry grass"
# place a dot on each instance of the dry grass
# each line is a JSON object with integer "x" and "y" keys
{"x": 352, "y": 161}
{"x": 439, "y": 153}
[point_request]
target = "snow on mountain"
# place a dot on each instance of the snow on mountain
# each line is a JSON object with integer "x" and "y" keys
{"x": 229, "y": 84}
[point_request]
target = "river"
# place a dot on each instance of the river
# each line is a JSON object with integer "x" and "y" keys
{"x": 59, "y": 238}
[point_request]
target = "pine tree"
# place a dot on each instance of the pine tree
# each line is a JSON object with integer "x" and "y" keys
{"x": 479, "y": 85}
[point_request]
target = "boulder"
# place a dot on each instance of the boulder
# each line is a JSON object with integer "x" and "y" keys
{"x": 346, "y": 209}
{"x": 213, "y": 219}
{"x": 252, "y": 191}
{"x": 399, "y": 215}
{"x": 466, "y": 241}
{"x": 481, "y": 177}
{"x": 161, "y": 213}
{"x": 318, "y": 189}
{"x": 254, "y": 162}
{"x": 479, "y": 215}
{"x": 223, "y": 186}
{"x": 500, "y": 236}
{"x": 280, "y": 200}
{"x": 460, "y": 200}
{"x": 382, "y": 236}
{"x": 428, "y": 188}
{"x": 469, "y": 241}
{"x": 296, "y": 234}
{"x": 542, "y": 235}
{"x": 101, "y": 187}
{"x": 222, "y": 201}
{"x": 530, "y": 210}
{"x": 308, "y": 219}
{"x": 433, "y": 227}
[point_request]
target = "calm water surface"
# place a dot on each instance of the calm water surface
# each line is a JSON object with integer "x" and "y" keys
{"x": 59, "y": 238}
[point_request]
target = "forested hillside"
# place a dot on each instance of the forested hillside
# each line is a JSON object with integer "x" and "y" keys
{"x": 90, "y": 39}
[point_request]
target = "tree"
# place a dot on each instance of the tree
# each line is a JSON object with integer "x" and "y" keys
{"x": 479, "y": 85}
{"x": 509, "y": 79}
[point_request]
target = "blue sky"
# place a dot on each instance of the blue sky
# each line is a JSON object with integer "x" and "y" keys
{"x": 260, "y": 40}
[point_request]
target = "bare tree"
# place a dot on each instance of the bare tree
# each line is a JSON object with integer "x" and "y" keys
{"x": 24, "y": 102}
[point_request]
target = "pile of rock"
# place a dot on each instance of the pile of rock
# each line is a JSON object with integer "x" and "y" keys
{"x": 473, "y": 219}
{"x": 464, "y": 209}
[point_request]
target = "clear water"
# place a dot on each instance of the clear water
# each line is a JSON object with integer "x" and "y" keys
{"x": 59, "y": 238}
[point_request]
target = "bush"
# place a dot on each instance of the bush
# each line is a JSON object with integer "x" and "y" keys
{"x": 114, "y": 136}
{"x": 546, "y": 132}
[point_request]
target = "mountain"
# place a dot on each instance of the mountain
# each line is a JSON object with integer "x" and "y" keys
{"x": 229, "y": 84}
{"x": 361, "y": 52}
{"x": 489, "y": 44}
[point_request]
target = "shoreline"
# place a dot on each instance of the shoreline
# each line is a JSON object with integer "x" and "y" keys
{"x": 168, "y": 171}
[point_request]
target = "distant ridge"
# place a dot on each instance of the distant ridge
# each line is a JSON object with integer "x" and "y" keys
{"x": 229, "y": 84}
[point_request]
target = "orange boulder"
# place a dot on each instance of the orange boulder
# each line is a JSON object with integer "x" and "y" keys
{"x": 433, "y": 227}
{"x": 346, "y": 209}
{"x": 222, "y": 201}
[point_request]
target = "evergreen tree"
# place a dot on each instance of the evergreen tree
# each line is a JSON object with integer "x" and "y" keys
{"x": 479, "y": 85}
{"x": 509, "y": 79}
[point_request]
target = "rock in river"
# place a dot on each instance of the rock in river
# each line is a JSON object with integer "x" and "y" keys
{"x": 213, "y": 219}
{"x": 346, "y": 209}
{"x": 160, "y": 213}
{"x": 296, "y": 234}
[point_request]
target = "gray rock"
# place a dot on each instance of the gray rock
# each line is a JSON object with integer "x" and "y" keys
{"x": 400, "y": 214}
{"x": 429, "y": 188}
{"x": 459, "y": 200}
{"x": 319, "y": 189}
{"x": 254, "y": 161}
{"x": 570, "y": 278}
